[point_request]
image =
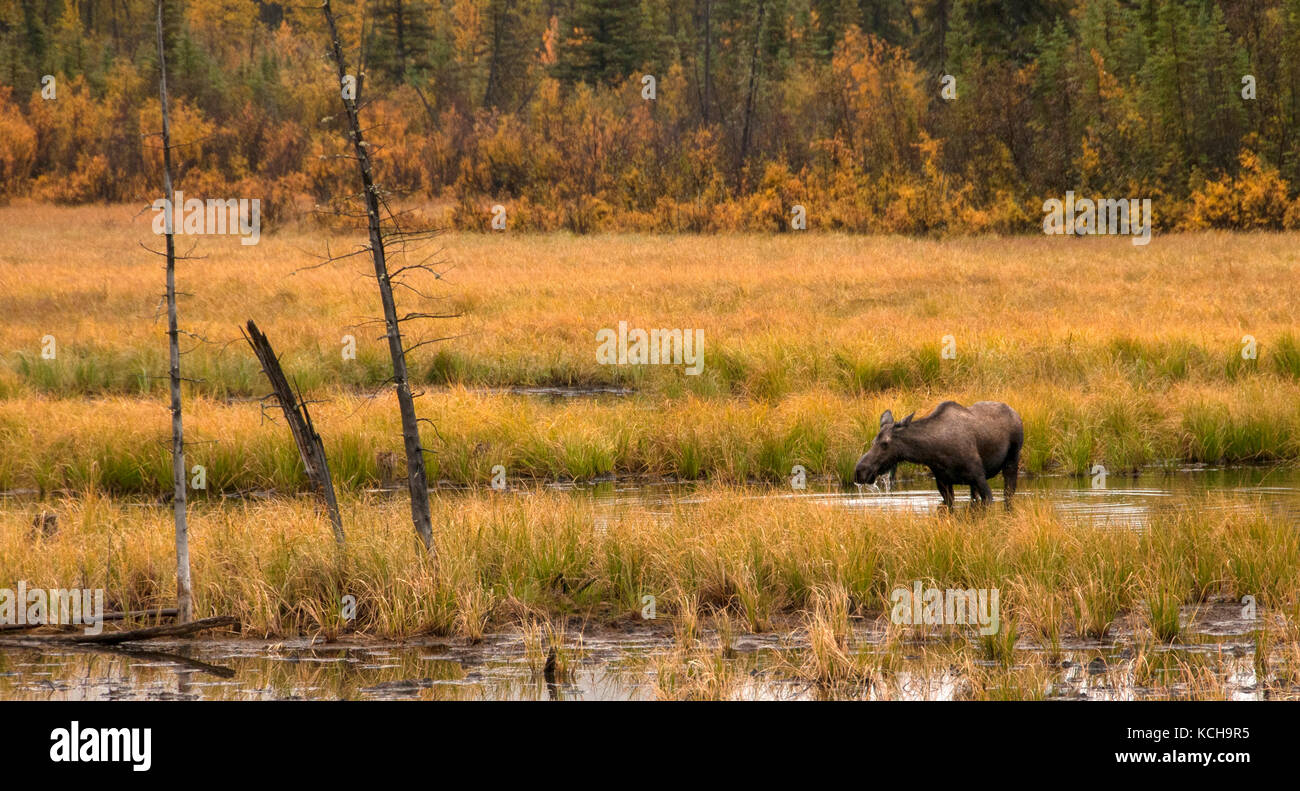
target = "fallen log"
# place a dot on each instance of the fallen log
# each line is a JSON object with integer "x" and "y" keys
{"x": 108, "y": 616}
{"x": 110, "y": 638}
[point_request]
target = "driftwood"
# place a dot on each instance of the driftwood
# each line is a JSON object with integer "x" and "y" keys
{"x": 111, "y": 638}
{"x": 304, "y": 433}
{"x": 106, "y": 617}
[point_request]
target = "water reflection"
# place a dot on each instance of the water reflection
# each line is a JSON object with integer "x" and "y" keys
{"x": 1215, "y": 660}
{"x": 1125, "y": 500}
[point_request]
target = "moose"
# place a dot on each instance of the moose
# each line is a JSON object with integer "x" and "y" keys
{"x": 962, "y": 446}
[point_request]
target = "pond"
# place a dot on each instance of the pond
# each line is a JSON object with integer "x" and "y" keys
{"x": 1215, "y": 657}
{"x": 1123, "y": 500}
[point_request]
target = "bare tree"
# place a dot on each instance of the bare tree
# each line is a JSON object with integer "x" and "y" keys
{"x": 184, "y": 603}
{"x": 706, "y": 103}
{"x": 417, "y": 478}
{"x": 754, "y": 63}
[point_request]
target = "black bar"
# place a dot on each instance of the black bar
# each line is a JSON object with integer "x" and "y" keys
{"x": 327, "y": 741}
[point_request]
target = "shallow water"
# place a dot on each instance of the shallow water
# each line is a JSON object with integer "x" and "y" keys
{"x": 1124, "y": 500}
{"x": 626, "y": 666}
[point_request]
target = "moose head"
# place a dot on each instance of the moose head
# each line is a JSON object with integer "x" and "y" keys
{"x": 885, "y": 451}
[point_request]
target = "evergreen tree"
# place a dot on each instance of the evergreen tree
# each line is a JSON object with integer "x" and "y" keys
{"x": 602, "y": 42}
{"x": 512, "y": 31}
{"x": 400, "y": 39}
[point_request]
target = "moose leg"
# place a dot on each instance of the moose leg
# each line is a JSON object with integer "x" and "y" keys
{"x": 1010, "y": 472}
{"x": 945, "y": 491}
{"x": 982, "y": 485}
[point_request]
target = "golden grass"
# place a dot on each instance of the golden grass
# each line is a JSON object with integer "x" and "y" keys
{"x": 860, "y": 312}
{"x": 537, "y": 556}
{"x": 80, "y": 274}
{"x": 1113, "y": 354}
{"x": 120, "y": 444}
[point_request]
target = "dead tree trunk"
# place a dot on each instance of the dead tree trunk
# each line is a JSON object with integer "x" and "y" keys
{"x": 304, "y": 433}
{"x": 417, "y": 478}
{"x": 706, "y": 105}
{"x": 184, "y": 604}
{"x": 105, "y": 618}
{"x": 753, "y": 86}
{"x": 104, "y": 638}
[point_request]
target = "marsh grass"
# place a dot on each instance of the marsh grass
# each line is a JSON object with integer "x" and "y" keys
{"x": 1279, "y": 667}
{"x": 801, "y": 355}
{"x": 724, "y": 628}
{"x": 118, "y": 443}
{"x": 827, "y": 657}
{"x": 1004, "y": 679}
{"x": 1162, "y": 609}
{"x": 537, "y": 555}
{"x": 563, "y": 654}
{"x": 695, "y": 673}
{"x": 533, "y": 562}
{"x": 1178, "y": 674}
{"x": 1000, "y": 646}
{"x": 1286, "y": 356}
{"x": 533, "y": 637}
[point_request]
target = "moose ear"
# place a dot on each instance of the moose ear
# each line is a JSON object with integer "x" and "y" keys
{"x": 906, "y": 420}
{"x": 887, "y": 419}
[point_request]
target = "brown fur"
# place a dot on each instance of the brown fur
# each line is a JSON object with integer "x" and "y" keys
{"x": 961, "y": 446}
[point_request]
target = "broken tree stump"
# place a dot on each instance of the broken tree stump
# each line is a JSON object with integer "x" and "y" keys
{"x": 391, "y": 467}
{"x": 45, "y": 525}
{"x": 310, "y": 446}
